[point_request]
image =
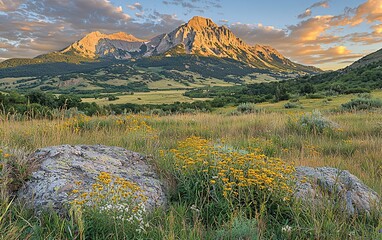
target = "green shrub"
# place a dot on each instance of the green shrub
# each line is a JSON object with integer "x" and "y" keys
{"x": 291, "y": 105}
{"x": 362, "y": 104}
{"x": 313, "y": 123}
{"x": 248, "y": 108}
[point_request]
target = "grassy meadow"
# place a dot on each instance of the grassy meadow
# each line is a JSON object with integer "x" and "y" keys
{"x": 152, "y": 97}
{"x": 175, "y": 145}
{"x": 323, "y": 104}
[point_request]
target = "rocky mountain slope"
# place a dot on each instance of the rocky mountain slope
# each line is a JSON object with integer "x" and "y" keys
{"x": 371, "y": 58}
{"x": 200, "y": 36}
{"x": 97, "y": 44}
{"x": 203, "y": 37}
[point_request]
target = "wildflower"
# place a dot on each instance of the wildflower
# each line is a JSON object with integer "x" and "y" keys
{"x": 116, "y": 197}
{"x": 286, "y": 229}
{"x": 194, "y": 208}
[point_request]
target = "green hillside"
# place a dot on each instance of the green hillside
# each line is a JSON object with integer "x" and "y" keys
{"x": 54, "y": 57}
{"x": 371, "y": 58}
{"x": 177, "y": 72}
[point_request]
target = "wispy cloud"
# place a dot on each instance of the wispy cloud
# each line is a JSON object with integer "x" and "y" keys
{"x": 194, "y": 5}
{"x": 308, "y": 11}
{"x": 10, "y": 5}
{"x": 135, "y": 6}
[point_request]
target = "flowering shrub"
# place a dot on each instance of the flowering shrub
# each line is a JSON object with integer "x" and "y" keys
{"x": 209, "y": 175}
{"x": 114, "y": 197}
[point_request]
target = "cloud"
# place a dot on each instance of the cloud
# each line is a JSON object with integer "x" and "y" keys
{"x": 367, "y": 38}
{"x": 135, "y": 6}
{"x": 10, "y": 5}
{"x": 318, "y": 40}
{"x": 308, "y": 11}
{"x": 377, "y": 29}
{"x": 41, "y": 26}
{"x": 304, "y": 42}
{"x": 194, "y": 5}
{"x": 369, "y": 12}
{"x": 324, "y": 4}
{"x": 305, "y": 14}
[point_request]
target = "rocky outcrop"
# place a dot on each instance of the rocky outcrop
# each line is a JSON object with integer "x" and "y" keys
{"x": 354, "y": 196}
{"x": 60, "y": 167}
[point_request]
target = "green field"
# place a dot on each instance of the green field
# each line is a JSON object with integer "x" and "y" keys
{"x": 323, "y": 104}
{"x": 153, "y": 97}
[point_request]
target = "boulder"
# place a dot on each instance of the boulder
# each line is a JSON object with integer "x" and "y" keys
{"x": 354, "y": 196}
{"x": 60, "y": 167}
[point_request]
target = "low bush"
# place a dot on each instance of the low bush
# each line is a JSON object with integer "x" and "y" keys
{"x": 362, "y": 104}
{"x": 248, "y": 108}
{"x": 313, "y": 123}
{"x": 292, "y": 105}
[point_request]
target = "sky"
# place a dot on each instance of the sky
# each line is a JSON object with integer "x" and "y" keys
{"x": 329, "y": 34}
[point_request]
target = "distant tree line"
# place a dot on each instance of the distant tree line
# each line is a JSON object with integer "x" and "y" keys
{"x": 41, "y": 104}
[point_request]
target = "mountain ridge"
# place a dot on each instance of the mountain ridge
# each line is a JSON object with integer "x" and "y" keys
{"x": 199, "y": 36}
{"x": 368, "y": 59}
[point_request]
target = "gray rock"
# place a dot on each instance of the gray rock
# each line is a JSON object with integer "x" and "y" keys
{"x": 315, "y": 183}
{"x": 60, "y": 167}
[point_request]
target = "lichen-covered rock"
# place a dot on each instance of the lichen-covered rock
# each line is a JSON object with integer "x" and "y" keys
{"x": 60, "y": 167}
{"x": 314, "y": 183}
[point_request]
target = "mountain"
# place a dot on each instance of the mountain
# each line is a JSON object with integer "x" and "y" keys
{"x": 200, "y": 36}
{"x": 96, "y": 44}
{"x": 368, "y": 59}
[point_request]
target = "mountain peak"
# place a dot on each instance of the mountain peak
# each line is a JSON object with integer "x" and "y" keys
{"x": 198, "y": 22}
{"x": 87, "y": 46}
{"x": 94, "y": 35}
{"x": 124, "y": 36}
